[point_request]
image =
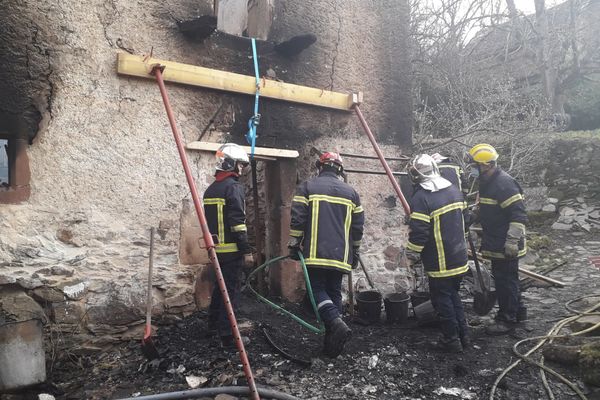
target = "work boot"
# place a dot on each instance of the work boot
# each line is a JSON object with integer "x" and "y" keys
{"x": 337, "y": 334}
{"x": 522, "y": 314}
{"x": 465, "y": 341}
{"x": 499, "y": 328}
{"x": 449, "y": 345}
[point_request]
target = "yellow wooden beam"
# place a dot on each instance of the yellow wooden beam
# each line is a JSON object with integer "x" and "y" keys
{"x": 128, "y": 64}
{"x": 258, "y": 151}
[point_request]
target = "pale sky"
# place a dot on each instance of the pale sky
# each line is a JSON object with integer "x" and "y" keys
{"x": 528, "y": 6}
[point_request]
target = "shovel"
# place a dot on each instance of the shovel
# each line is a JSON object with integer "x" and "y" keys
{"x": 484, "y": 300}
{"x": 148, "y": 347}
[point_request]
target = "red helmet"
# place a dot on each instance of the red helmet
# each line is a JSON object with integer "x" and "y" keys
{"x": 331, "y": 158}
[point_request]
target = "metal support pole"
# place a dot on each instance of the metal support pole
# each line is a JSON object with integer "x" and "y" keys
{"x": 210, "y": 245}
{"x": 257, "y": 231}
{"x": 388, "y": 171}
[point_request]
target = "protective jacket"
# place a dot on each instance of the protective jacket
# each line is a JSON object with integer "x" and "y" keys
{"x": 455, "y": 174}
{"x": 500, "y": 205}
{"x": 225, "y": 209}
{"x": 437, "y": 231}
{"x": 327, "y": 215}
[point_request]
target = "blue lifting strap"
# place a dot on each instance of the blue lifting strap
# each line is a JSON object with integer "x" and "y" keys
{"x": 255, "y": 119}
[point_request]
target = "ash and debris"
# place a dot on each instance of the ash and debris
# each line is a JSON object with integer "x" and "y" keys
{"x": 381, "y": 361}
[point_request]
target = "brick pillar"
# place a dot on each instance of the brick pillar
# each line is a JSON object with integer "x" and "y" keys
{"x": 285, "y": 278}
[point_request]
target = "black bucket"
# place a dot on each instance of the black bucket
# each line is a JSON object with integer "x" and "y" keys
{"x": 417, "y": 298}
{"x": 396, "y": 307}
{"x": 369, "y": 305}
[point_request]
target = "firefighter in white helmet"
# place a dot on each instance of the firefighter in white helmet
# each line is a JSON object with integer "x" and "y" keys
{"x": 437, "y": 238}
{"x": 225, "y": 209}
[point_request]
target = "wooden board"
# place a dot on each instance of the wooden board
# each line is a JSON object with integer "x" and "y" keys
{"x": 258, "y": 151}
{"x": 133, "y": 65}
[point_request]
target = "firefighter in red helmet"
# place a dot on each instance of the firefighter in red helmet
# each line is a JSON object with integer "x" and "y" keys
{"x": 327, "y": 227}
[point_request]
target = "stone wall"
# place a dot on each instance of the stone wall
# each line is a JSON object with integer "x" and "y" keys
{"x": 104, "y": 168}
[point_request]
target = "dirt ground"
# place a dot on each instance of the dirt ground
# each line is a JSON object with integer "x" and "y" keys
{"x": 381, "y": 362}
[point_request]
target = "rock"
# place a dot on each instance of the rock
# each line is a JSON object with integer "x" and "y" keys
{"x": 561, "y": 227}
{"x": 60, "y": 270}
{"x": 18, "y": 306}
{"x": 549, "y": 208}
{"x": 567, "y": 211}
{"x": 552, "y": 200}
{"x": 224, "y": 396}
{"x": 586, "y": 322}
{"x": 45, "y": 396}
{"x": 373, "y": 361}
{"x": 29, "y": 283}
{"x": 48, "y": 295}
{"x": 195, "y": 381}
{"x": 183, "y": 298}
{"x": 392, "y": 253}
{"x": 68, "y": 312}
{"x": 580, "y": 199}
{"x": 7, "y": 280}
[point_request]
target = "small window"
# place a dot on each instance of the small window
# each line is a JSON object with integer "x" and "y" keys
{"x": 4, "y": 175}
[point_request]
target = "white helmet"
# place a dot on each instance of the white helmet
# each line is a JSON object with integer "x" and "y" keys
{"x": 438, "y": 158}
{"x": 422, "y": 169}
{"x": 229, "y": 155}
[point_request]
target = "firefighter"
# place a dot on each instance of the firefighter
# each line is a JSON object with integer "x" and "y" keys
{"x": 225, "y": 209}
{"x": 436, "y": 237}
{"x": 452, "y": 172}
{"x": 327, "y": 226}
{"x": 503, "y": 218}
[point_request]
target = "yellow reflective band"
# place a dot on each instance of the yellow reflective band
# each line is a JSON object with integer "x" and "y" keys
{"x": 331, "y": 199}
{"x": 420, "y": 217}
{"x": 356, "y": 243}
{"x": 518, "y": 224}
{"x": 439, "y": 244}
{"x": 296, "y": 233}
{"x": 314, "y": 228}
{"x": 300, "y": 199}
{"x": 511, "y": 200}
{"x": 485, "y": 200}
{"x": 453, "y": 206}
{"x": 414, "y": 247}
{"x": 226, "y": 248}
{"x": 324, "y": 262}
{"x": 358, "y": 209}
{"x": 449, "y": 272}
{"x": 239, "y": 228}
{"x": 221, "y": 223}
{"x": 214, "y": 201}
{"x": 495, "y": 254}
{"x": 347, "y": 233}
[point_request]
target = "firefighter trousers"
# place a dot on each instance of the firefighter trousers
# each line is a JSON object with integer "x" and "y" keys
{"x": 217, "y": 312}
{"x": 327, "y": 290}
{"x": 506, "y": 277}
{"x": 447, "y": 304}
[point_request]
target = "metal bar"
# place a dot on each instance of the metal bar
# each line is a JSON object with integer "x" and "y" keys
{"x": 350, "y": 155}
{"x": 210, "y": 245}
{"x": 388, "y": 171}
{"x": 364, "y": 171}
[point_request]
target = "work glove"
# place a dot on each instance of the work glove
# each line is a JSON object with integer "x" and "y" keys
{"x": 355, "y": 256}
{"x": 516, "y": 232}
{"x": 294, "y": 247}
{"x": 412, "y": 256}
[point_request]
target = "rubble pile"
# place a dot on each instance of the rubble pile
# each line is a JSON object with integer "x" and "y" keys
{"x": 578, "y": 214}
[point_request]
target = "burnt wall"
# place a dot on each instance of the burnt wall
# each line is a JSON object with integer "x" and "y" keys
{"x": 25, "y": 67}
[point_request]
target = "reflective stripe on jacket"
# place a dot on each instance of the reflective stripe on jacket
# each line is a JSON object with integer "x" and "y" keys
{"x": 225, "y": 209}
{"x": 437, "y": 231}
{"x": 327, "y": 214}
{"x": 500, "y": 204}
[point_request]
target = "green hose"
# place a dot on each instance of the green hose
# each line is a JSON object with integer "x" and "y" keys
{"x": 321, "y": 327}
